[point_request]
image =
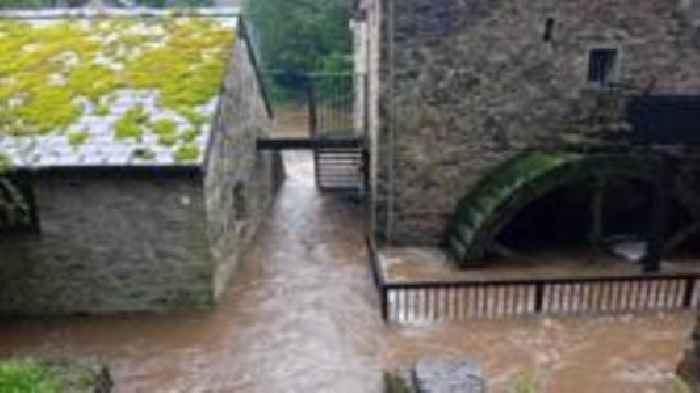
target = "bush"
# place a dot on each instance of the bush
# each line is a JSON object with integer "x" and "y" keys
{"x": 27, "y": 376}
{"x": 296, "y": 38}
{"x": 526, "y": 382}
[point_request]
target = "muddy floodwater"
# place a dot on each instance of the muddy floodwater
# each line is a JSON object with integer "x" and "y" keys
{"x": 301, "y": 316}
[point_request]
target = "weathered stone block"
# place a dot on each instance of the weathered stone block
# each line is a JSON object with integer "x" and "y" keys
{"x": 689, "y": 369}
{"x": 448, "y": 376}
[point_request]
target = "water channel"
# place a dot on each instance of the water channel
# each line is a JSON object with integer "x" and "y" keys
{"x": 301, "y": 316}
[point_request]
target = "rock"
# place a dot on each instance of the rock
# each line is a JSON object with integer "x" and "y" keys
{"x": 448, "y": 376}
{"x": 630, "y": 250}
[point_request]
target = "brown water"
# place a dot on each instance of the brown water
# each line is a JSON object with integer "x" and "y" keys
{"x": 302, "y": 316}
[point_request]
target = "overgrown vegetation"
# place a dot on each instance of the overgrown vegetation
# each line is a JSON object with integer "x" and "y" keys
{"x": 80, "y": 3}
{"x": 40, "y": 3}
{"x": 296, "y": 37}
{"x": 679, "y": 386}
{"x": 187, "y": 152}
{"x": 526, "y": 382}
{"x": 77, "y": 138}
{"x": 131, "y": 124}
{"x": 27, "y": 376}
{"x": 47, "y": 71}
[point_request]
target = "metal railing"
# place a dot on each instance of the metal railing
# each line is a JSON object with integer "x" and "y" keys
{"x": 461, "y": 300}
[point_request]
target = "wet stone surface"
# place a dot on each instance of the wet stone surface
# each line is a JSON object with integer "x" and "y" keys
{"x": 448, "y": 376}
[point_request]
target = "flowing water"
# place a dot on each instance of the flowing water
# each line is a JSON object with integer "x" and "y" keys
{"x": 301, "y": 316}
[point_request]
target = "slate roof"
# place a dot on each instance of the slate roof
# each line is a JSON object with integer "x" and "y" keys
{"x": 96, "y": 141}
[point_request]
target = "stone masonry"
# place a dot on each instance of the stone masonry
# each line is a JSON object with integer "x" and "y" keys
{"x": 147, "y": 239}
{"x": 689, "y": 369}
{"x": 458, "y": 87}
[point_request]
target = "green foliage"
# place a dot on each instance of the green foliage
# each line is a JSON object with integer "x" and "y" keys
{"x": 190, "y": 135}
{"x": 300, "y": 35}
{"x": 130, "y": 125}
{"x": 164, "y": 126}
{"x": 679, "y": 386}
{"x": 168, "y": 139}
{"x": 76, "y": 138}
{"x": 187, "y": 152}
{"x": 195, "y": 118}
{"x": 526, "y": 382}
{"x": 175, "y": 3}
{"x": 102, "y": 110}
{"x": 27, "y": 376}
{"x": 26, "y": 3}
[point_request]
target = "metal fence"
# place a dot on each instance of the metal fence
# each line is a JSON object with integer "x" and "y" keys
{"x": 461, "y": 300}
{"x": 332, "y": 104}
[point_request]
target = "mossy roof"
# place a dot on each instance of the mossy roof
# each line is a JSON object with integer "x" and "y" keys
{"x": 110, "y": 91}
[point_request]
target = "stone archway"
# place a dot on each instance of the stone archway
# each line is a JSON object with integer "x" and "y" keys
{"x": 496, "y": 200}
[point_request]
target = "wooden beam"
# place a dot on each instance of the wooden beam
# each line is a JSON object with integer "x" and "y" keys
{"x": 308, "y": 143}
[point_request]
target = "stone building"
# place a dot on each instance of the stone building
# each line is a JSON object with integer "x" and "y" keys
{"x": 131, "y": 150}
{"x": 480, "y": 108}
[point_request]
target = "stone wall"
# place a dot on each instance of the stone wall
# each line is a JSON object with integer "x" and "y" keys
{"x": 464, "y": 85}
{"x": 240, "y": 181}
{"x": 109, "y": 241}
{"x": 147, "y": 239}
{"x": 437, "y": 376}
{"x": 689, "y": 369}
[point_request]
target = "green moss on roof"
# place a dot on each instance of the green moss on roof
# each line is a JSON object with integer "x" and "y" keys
{"x": 48, "y": 70}
{"x": 190, "y": 135}
{"x": 187, "y": 152}
{"x": 4, "y": 162}
{"x": 102, "y": 110}
{"x": 164, "y": 126}
{"x": 76, "y": 138}
{"x": 131, "y": 124}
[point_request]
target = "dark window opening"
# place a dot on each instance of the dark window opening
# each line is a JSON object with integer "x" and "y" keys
{"x": 601, "y": 65}
{"x": 17, "y": 209}
{"x": 548, "y": 29}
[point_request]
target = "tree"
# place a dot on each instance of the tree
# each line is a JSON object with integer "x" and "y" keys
{"x": 301, "y": 35}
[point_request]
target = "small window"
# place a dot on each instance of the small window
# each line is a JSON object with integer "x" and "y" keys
{"x": 548, "y": 30}
{"x": 601, "y": 65}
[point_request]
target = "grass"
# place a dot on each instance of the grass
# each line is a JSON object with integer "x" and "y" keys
{"x": 28, "y": 376}
{"x": 679, "y": 386}
{"x": 526, "y": 382}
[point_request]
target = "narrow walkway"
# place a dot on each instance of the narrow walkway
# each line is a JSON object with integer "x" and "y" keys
{"x": 301, "y": 317}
